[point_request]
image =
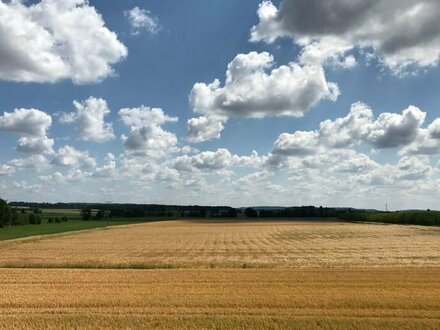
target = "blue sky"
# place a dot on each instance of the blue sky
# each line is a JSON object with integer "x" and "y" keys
{"x": 256, "y": 138}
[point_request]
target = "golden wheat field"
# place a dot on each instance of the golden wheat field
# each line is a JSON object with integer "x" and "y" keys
{"x": 190, "y": 274}
{"x": 328, "y": 298}
{"x": 226, "y": 244}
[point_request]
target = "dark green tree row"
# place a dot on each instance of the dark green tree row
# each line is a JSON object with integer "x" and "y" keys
{"x": 424, "y": 218}
{"x": 293, "y": 212}
{"x": 13, "y": 216}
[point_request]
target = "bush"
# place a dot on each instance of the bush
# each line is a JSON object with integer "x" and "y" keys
{"x": 34, "y": 219}
{"x": 64, "y": 219}
{"x": 57, "y": 220}
{"x": 50, "y": 220}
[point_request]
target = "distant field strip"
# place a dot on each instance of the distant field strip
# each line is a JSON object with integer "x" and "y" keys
{"x": 229, "y": 244}
{"x": 403, "y": 298}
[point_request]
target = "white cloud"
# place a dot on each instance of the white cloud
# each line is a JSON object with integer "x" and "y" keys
{"x": 35, "y": 162}
{"x": 393, "y": 130}
{"x": 253, "y": 160}
{"x": 89, "y": 120}
{"x": 73, "y": 175}
{"x": 355, "y": 163}
{"x": 414, "y": 168}
{"x": 389, "y": 130}
{"x": 253, "y": 88}
{"x": 109, "y": 169}
{"x": 207, "y": 160}
{"x": 142, "y": 19}
{"x": 299, "y": 143}
{"x": 25, "y": 186}
{"x": 30, "y": 122}
{"x": 349, "y": 130}
{"x": 35, "y": 145}
{"x": 6, "y": 170}
{"x": 434, "y": 129}
{"x": 330, "y": 51}
{"x": 203, "y": 128}
{"x": 212, "y": 160}
{"x": 33, "y": 124}
{"x": 147, "y": 137}
{"x": 71, "y": 157}
{"x": 54, "y": 40}
{"x": 424, "y": 144}
{"x": 401, "y": 34}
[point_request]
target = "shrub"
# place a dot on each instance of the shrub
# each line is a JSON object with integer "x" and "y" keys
{"x": 64, "y": 219}
{"x": 34, "y": 219}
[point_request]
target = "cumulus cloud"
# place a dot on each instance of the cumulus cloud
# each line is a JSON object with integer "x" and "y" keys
{"x": 401, "y": 34}
{"x": 203, "y": 128}
{"x": 423, "y": 145}
{"x": 255, "y": 89}
{"x": 414, "y": 168}
{"x": 147, "y": 137}
{"x": 299, "y": 143}
{"x": 108, "y": 170}
{"x": 35, "y": 162}
{"x": 73, "y": 175}
{"x": 53, "y": 40}
{"x": 71, "y": 157}
{"x": 355, "y": 163}
{"x": 33, "y": 124}
{"x": 35, "y": 145}
{"x": 89, "y": 120}
{"x": 142, "y": 20}
{"x": 253, "y": 160}
{"x": 6, "y": 170}
{"x": 427, "y": 141}
{"x": 393, "y": 130}
{"x": 207, "y": 160}
{"x": 389, "y": 130}
{"x": 349, "y": 130}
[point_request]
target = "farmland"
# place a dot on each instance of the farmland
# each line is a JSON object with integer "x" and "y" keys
{"x": 230, "y": 244}
{"x": 219, "y": 298}
{"x": 224, "y": 274}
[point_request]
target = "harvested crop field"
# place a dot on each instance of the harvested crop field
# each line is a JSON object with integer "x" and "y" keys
{"x": 300, "y": 275}
{"x": 404, "y": 298}
{"x": 230, "y": 244}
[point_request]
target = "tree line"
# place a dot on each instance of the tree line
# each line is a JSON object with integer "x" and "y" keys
{"x": 13, "y": 216}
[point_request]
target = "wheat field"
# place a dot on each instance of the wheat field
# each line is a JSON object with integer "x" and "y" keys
{"x": 227, "y": 244}
{"x": 327, "y": 298}
{"x": 190, "y": 274}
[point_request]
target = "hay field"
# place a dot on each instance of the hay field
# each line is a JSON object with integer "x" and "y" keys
{"x": 327, "y": 298}
{"x": 227, "y": 244}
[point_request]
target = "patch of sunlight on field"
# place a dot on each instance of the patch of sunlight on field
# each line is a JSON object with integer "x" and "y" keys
{"x": 327, "y": 298}
{"x": 230, "y": 244}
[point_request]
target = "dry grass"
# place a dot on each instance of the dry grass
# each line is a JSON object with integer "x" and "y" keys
{"x": 223, "y": 244}
{"x": 403, "y": 298}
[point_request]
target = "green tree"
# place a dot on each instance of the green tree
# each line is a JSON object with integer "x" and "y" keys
{"x": 86, "y": 214}
{"x": 14, "y": 217}
{"x": 250, "y": 213}
{"x": 34, "y": 219}
{"x": 99, "y": 215}
{"x": 5, "y": 213}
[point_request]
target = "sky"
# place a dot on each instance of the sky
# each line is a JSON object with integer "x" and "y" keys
{"x": 221, "y": 102}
